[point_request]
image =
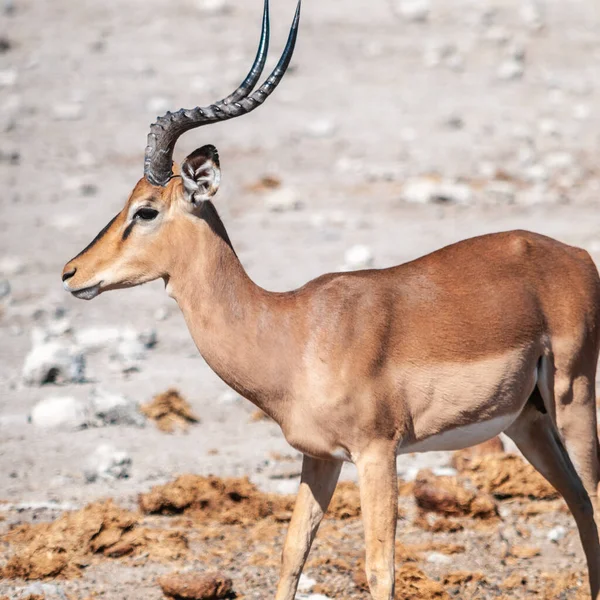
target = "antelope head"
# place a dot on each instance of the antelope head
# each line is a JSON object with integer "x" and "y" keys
{"x": 137, "y": 245}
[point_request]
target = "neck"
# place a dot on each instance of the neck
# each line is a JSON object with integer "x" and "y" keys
{"x": 241, "y": 330}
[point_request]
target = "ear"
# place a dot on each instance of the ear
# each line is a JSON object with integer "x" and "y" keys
{"x": 201, "y": 174}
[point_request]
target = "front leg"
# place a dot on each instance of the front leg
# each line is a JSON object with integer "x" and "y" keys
{"x": 379, "y": 503}
{"x": 319, "y": 478}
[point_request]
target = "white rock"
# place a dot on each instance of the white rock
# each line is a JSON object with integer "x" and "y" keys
{"x": 500, "y": 192}
{"x": 229, "y": 397}
{"x": 48, "y": 591}
{"x": 556, "y": 534}
{"x": 531, "y": 14}
{"x": 537, "y": 194}
{"x": 161, "y": 314}
{"x": 8, "y": 77}
{"x": 548, "y": 127}
{"x": 11, "y": 265}
{"x": 413, "y": 10}
{"x": 282, "y": 199}
{"x": 559, "y": 160}
{"x": 107, "y": 408}
{"x": 54, "y": 362}
{"x": 536, "y": 173}
{"x": 437, "y": 558}
{"x": 63, "y": 412}
{"x": 444, "y": 471}
{"x": 92, "y": 339}
{"x": 68, "y": 111}
{"x": 306, "y": 583}
{"x": 321, "y": 128}
{"x": 158, "y": 105}
{"x": 288, "y": 486}
{"x": 107, "y": 463}
{"x": 358, "y": 257}
{"x": 511, "y": 68}
{"x": 422, "y": 190}
{"x": 213, "y": 7}
{"x": 582, "y": 112}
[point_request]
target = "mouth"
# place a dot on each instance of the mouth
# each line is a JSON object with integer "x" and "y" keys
{"x": 86, "y": 293}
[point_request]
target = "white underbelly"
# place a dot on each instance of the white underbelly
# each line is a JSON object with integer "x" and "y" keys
{"x": 460, "y": 437}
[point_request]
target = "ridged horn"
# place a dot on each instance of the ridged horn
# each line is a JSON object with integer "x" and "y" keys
{"x": 166, "y": 131}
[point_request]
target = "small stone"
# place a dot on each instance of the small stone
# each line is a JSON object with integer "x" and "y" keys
{"x": 510, "y": 69}
{"x": 229, "y": 397}
{"x": 196, "y": 586}
{"x": 556, "y": 534}
{"x": 161, "y": 314}
{"x": 107, "y": 408}
{"x": 416, "y": 11}
{"x": 537, "y": 194}
{"x": 213, "y": 7}
{"x": 548, "y": 127}
{"x": 93, "y": 339}
{"x": 54, "y": 362}
{"x": 536, "y": 173}
{"x": 531, "y": 15}
{"x": 282, "y": 199}
{"x": 64, "y": 412}
{"x": 437, "y": 558}
{"x": 11, "y": 265}
{"x": 107, "y": 463}
{"x": 581, "y": 112}
{"x": 500, "y": 192}
{"x": 8, "y": 77}
{"x": 557, "y": 161}
{"x": 158, "y": 105}
{"x": 358, "y": 257}
{"x": 68, "y": 111}
{"x": 306, "y": 583}
{"x": 423, "y": 190}
{"x": 321, "y": 128}
{"x": 4, "y": 288}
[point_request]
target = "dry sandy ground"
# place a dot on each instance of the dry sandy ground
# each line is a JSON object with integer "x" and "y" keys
{"x": 373, "y": 101}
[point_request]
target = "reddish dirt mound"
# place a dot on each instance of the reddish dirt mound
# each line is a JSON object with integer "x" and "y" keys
{"x": 505, "y": 476}
{"x": 345, "y": 503}
{"x": 235, "y": 500}
{"x": 63, "y": 546}
{"x": 448, "y": 496}
{"x": 229, "y": 501}
{"x": 411, "y": 583}
{"x": 196, "y": 586}
{"x": 170, "y": 411}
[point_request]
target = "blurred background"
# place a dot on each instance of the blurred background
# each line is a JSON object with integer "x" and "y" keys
{"x": 401, "y": 126}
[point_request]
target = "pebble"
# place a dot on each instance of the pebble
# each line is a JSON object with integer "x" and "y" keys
{"x": 63, "y": 412}
{"x": 161, "y": 314}
{"x": 229, "y": 397}
{"x": 8, "y": 77}
{"x": 321, "y": 128}
{"x": 4, "y": 288}
{"x": 48, "y": 591}
{"x": 500, "y": 192}
{"x": 422, "y": 190}
{"x": 282, "y": 199}
{"x": 306, "y": 583}
{"x": 158, "y": 105}
{"x": 11, "y": 265}
{"x": 54, "y": 362}
{"x": 531, "y": 15}
{"x": 437, "y": 558}
{"x": 108, "y": 408}
{"x": 556, "y": 534}
{"x": 67, "y": 111}
{"x": 510, "y": 69}
{"x": 416, "y": 11}
{"x": 107, "y": 463}
{"x": 213, "y": 7}
{"x": 359, "y": 256}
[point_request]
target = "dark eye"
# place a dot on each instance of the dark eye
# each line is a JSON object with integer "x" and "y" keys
{"x": 147, "y": 214}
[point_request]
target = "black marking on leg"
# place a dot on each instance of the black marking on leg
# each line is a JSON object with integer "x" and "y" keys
{"x": 98, "y": 237}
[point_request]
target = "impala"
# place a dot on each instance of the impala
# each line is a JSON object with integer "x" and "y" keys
{"x": 499, "y": 333}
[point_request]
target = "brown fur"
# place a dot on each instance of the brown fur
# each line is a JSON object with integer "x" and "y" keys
{"x": 360, "y": 366}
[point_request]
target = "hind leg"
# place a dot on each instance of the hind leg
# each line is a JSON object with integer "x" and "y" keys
{"x": 535, "y": 435}
{"x": 573, "y": 409}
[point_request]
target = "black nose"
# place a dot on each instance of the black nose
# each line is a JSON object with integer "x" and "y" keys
{"x": 68, "y": 274}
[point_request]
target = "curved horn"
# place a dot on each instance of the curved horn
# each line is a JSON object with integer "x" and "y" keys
{"x": 167, "y": 129}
